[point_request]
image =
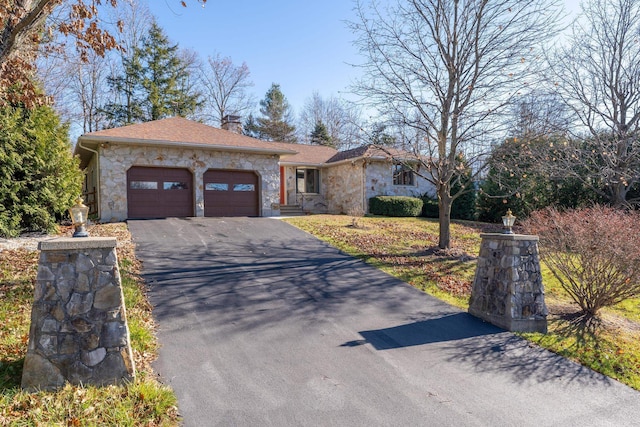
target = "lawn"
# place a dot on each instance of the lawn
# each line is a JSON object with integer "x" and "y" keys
{"x": 407, "y": 248}
{"x": 143, "y": 402}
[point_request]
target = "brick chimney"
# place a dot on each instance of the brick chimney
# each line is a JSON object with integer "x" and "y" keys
{"x": 232, "y": 124}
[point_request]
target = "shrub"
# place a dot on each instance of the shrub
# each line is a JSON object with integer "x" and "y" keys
{"x": 430, "y": 206}
{"x": 593, "y": 252}
{"x": 464, "y": 207}
{"x": 395, "y": 206}
{"x": 39, "y": 178}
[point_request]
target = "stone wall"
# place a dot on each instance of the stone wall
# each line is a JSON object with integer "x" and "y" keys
{"x": 78, "y": 327}
{"x": 343, "y": 187}
{"x": 507, "y": 288}
{"x": 117, "y": 158}
{"x": 309, "y": 202}
{"x": 379, "y": 182}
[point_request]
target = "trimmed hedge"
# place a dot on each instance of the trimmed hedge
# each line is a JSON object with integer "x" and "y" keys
{"x": 430, "y": 207}
{"x": 395, "y": 206}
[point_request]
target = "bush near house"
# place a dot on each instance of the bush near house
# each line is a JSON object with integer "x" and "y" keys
{"x": 401, "y": 206}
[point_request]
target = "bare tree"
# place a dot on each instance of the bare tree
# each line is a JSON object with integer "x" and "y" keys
{"x": 341, "y": 119}
{"x": 26, "y": 24}
{"x": 598, "y": 76}
{"x": 225, "y": 87}
{"x": 447, "y": 69}
{"x": 78, "y": 84}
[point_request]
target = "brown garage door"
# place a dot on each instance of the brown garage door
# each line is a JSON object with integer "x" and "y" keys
{"x": 159, "y": 192}
{"x": 231, "y": 193}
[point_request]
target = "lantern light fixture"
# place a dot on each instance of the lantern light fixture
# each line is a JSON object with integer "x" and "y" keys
{"x": 507, "y": 221}
{"x": 79, "y": 215}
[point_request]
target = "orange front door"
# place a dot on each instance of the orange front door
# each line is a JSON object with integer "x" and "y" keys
{"x": 282, "y": 189}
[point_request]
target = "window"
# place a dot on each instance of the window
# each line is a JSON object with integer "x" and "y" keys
{"x": 175, "y": 185}
{"x": 307, "y": 180}
{"x": 244, "y": 187}
{"x": 144, "y": 185}
{"x": 403, "y": 175}
{"x": 216, "y": 186}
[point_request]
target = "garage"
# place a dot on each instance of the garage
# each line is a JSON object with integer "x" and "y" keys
{"x": 231, "y": 193}
{"x": 154, "y": 192}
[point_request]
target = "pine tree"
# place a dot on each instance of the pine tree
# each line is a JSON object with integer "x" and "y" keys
{"x": 320, "y": 135}
{"x": 154, "y": 83}
{"x": 39, "y": 178}
{"x": 275, "y": 123}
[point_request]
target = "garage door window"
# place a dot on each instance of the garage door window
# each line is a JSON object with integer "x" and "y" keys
{"x": 244, "y": 187}
{"x": 216, "y": 186}
{"x": 175, "y": 186}
{"x": 143, "y": 185}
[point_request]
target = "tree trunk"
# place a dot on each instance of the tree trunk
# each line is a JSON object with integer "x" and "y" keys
{"x": 619, "y": 195}
{"x": 444, "y": 217}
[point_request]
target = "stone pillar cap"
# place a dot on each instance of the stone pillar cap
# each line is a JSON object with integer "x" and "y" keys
{"x": 503, "y": 236}
{"x": 74, "y": 243}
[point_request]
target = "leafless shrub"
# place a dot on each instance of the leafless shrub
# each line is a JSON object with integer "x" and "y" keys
{"x": 356, "y": 213}
{"x": 594, "y": 253}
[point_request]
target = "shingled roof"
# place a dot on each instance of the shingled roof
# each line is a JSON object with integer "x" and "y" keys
{"x": 306, "y": 154}
{"x": 183, "y": 132}
{"x": 177, "y": 130}
{"x": 371, "y": 152}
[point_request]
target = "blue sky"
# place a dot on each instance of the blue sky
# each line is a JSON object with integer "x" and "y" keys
{"x": 303, "y": 45}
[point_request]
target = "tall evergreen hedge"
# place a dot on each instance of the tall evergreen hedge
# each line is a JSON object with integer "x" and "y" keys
{"x": 39, "y": 178}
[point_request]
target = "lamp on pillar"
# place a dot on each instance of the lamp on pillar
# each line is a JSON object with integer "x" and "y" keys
{"x": 508, "y": 220}
{"x": 79, "y": 214}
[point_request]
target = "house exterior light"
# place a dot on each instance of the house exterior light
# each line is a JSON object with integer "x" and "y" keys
{"x": 79, "y": 215}
{"x": 507, "y": 221}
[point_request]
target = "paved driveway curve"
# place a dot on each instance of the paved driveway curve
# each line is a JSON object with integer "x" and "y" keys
{"x": 262, "y": 324}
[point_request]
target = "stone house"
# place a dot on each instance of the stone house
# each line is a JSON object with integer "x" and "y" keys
{"x": 179, "y": 168}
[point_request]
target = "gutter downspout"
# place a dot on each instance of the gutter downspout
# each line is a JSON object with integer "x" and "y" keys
{"x": 98, "y": 192}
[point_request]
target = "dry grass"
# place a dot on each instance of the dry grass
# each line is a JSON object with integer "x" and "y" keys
{"x": 144, "y": 402}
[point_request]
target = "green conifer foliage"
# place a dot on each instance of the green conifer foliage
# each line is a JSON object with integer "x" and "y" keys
{"x": 154, "y": 84}
{"x": 39, "y": 177}
{"x": 275, "y": 123}
{"x": 320, "y": 135}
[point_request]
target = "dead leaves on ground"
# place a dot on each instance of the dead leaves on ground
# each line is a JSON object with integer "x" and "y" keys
{"x": 407, "y": 248}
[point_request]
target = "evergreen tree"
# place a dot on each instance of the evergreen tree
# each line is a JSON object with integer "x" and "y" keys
{"x": 379, "y": 136}
{"x": 154, "y": 83}
{"x": 320, "y": 135}
{"x": 250, "y": 127}
{"x": 275, "y": 123}
{"x": 39, "y": 178}
{"x": 527, "y": 187}
{"x": 464, "y": 206}
{"x": 127, "y": 109}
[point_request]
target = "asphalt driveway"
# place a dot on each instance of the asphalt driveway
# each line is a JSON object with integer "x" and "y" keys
{"x": 262, "y": 324}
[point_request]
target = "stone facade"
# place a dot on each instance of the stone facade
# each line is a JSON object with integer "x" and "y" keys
{"x": 379, "y": 182}
{"x": 309, "y": 202}
{"x": 347, "y": 186}
{"x": 344, "y": 186}
{"x": 78, "y": 327}
{"x": 116, "y": 159}
{"x": 507, "y": 288}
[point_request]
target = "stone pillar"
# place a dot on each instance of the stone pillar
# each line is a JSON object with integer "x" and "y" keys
{"x": 79, "y": 331}
{"x": 507, "y": 288}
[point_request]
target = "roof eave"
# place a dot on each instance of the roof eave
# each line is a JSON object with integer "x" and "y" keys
{"x": 162, "y": 143}
{"x": 305, "y": 164}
